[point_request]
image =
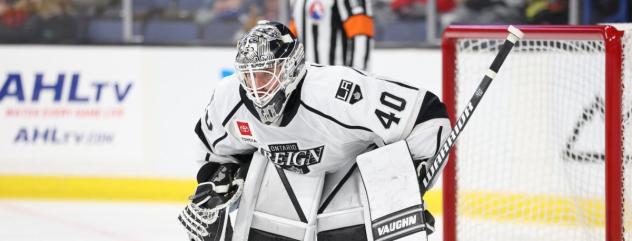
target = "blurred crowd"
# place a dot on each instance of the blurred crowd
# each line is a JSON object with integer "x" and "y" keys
{"x": 44, "y": 21}
{"x": 75, "y": 21}
{"x": 536, "y": 11}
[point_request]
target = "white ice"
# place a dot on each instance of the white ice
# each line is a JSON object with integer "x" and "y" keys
{"x": 36, "y": 220}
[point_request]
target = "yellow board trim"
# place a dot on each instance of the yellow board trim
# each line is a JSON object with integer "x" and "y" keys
{"x": 544, "y": 209}
{"x": 120, "y": 189}
{"x": 96, "y": 188}
{"x": 532, "y": 208}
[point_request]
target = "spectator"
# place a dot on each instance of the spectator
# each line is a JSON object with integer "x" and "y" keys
{"x": 255, "y": 10}
{"x": 218, "y": 10}
{"x": 93, "y": 7}
{"x": 486, "y": 12}
{"x": 226, "y": 9}
{"x": 13, "y": 21}
{"x": 271, "y": 9}
{"x": 38, "y": 21}
{"x": 54, "y": 21}
{"x": 607, "y": 11}
{"x": 4, "y": 6}
{"x": 416, "y": 9}
{"x": 547, "y": 12}
{"x": 13, "y": 17}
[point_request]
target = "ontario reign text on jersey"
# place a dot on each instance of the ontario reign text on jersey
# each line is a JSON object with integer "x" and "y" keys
{"x": 290, "y": 157}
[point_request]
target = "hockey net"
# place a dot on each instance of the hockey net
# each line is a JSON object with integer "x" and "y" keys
{"x": 547, "y": 154}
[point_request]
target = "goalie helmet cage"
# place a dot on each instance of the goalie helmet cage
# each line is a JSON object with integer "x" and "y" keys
{"x": 544, "y": 157}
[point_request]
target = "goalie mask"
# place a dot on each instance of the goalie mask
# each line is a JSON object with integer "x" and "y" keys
{"x": 270, "y": 63}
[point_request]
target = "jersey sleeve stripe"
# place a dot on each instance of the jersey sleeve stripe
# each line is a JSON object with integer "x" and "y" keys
{"x": 360, "y": 24}
{"x": 200, "y": 134}
{"x": 400, "y": 84}
{"x": 431, "y": 108}
{"x": 357, "y": 71}
{"x": 232, "y": 112}
{"x": 220, "y": 139}
{"x": 438, "y": 140}
{"x": 333, "y": 119}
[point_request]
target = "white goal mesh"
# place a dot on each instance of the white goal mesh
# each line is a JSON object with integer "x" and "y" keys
{"x": 530, "y": 163}
{"x": 627, "y": 133}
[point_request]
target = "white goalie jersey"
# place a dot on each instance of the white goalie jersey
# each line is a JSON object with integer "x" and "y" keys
{"x": 335, "y": 114}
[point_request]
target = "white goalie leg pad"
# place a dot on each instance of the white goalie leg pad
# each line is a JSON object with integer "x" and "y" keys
{"x": 243, "y": 217}
{"x": 392, "y": 188}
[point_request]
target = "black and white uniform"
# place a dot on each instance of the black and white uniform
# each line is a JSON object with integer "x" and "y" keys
{"x": 335, "y": 114}
{"x": 335, "y": 32}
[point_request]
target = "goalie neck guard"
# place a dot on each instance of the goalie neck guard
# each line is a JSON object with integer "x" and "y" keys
{"x": 270, "y": 63}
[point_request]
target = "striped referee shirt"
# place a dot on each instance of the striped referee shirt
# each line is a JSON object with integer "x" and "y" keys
{"x": 335, "y": 32}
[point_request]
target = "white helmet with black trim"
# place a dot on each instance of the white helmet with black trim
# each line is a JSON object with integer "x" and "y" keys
{"x": 270, "y": 63}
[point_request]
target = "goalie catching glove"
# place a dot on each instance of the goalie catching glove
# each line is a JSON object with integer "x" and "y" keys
{"x": 206, "y": 217}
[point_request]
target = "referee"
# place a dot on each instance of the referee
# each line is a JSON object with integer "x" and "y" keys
{"x": 334, "y": 32}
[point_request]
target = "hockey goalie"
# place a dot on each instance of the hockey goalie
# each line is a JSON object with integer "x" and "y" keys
{"x": 298, "y": 151}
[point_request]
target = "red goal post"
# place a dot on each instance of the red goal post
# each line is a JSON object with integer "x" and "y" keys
{"x": 609, "y": 40}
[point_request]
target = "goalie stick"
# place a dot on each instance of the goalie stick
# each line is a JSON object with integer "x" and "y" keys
{"x": 439, "y": 161}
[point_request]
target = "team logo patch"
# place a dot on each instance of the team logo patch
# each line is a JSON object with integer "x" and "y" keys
{"x": 316, "y": 10}
{"x": 290, "y": 157}
{"x": 349, "y": 92}
{"x": 244, "y": 128}
{"x": 245, "y": 131}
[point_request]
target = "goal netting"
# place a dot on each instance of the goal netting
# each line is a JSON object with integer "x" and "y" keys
{"x": 547, "y": 154}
